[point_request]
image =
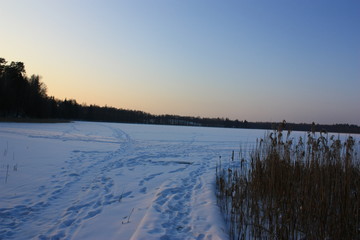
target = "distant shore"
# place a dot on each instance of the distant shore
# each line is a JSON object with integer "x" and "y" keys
{"x": 32, "y": 120}
{"x": 203, "y": 122}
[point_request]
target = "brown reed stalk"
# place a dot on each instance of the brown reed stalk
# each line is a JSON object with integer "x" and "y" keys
{"x": 285, "y": 190}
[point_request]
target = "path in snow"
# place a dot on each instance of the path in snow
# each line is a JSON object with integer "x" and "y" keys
{"x": 112, "y": 181}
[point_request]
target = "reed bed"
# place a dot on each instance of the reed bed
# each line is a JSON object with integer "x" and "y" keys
{"x": 308, "y": 189}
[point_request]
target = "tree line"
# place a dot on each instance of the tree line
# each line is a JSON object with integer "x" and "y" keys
{"x": 24, "y": 97}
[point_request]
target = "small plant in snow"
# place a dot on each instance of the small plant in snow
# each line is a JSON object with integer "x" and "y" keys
{"x": 128, "y": 217}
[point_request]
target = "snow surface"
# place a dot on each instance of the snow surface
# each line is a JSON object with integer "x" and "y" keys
{"x": 86, "y": 180}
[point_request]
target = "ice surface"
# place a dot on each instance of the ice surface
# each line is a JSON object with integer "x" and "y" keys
{"x": 85, "y": 180}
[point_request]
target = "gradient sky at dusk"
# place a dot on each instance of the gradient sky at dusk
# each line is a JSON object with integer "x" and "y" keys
{"x": 257, "y": 60}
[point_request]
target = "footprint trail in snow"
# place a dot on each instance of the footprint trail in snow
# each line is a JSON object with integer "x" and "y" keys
{"x": 104, "y": 181}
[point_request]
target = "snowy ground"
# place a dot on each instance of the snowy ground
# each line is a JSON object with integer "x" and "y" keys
{"x": 86, "y": 180}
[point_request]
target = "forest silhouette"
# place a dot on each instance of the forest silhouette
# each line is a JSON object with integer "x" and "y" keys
{"x": 23, "y": 98}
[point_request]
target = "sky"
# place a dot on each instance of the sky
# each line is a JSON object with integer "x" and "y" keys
{"x": 254, "y": 60}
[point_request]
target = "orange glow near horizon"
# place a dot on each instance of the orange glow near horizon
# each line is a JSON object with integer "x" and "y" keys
{"x": 242, "y": 60}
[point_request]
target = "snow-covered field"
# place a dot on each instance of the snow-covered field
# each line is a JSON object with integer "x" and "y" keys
{"x": 85, "y": 180}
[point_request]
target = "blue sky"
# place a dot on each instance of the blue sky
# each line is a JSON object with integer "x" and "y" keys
{"x": 257, "y": 60}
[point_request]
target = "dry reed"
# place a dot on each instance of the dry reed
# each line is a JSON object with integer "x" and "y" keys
{"x": 307, "y": 190}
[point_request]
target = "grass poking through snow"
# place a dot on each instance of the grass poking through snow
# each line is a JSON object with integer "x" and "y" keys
{"x": 304, "y": 190}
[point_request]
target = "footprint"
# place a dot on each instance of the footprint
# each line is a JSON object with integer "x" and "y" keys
{"x": 67, "y": 223}
{"x": 143, "y": 190}
{"x": 93, "y": 213}
{"x": 74, "y": 175}
{"x": 126, "y": 194}
{"x": 41, "y": 195}
{"x": 152, "y": 176}
{"x": 177, "y": 170}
